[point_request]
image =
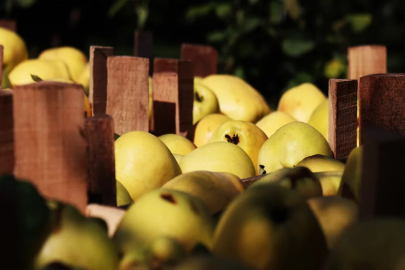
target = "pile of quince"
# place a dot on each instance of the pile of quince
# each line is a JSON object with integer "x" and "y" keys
{"x": 63, "y": 64}
{"x": 189, "y": 206}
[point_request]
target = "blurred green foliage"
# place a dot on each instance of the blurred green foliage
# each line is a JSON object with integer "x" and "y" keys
{"x": 282, "y": 43}
{"x": 272, "y": 44}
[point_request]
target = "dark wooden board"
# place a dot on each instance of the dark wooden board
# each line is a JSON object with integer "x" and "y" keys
{"x": 382, "y": 102}
{"x": 342, "y": 117}
{"x": 143, "y": 47}
{"x": 6, "y": 132}
{"x": 101, "y": 160}
{"x": 204, "y": 58}
{"x": 98, "y": 78}
{"x": 383, "y": 181}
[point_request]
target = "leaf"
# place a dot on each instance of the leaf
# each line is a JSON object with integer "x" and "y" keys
{"x": 25, "y": 3}
{"x": 297, "y": 47}
{"x": 216, "y": 36}
{"x": 247, "y": 49}
{"x": 31, "y": 215}
{"x": 301, "y": 77}
{"x": 333, "y": 69}
{"x": 9, "y": 6}
{"x": 117, "y": 6}
{"x": 195, "y": 12}
{"x": 293, "y": 8}
{"x": 239, "y": 72}
{"x": 5, "y": 82}
{"x": 35, "y": 78}
{"x": 360, "y": 22}
{"x": 304, "y": 77}
{"x": 223, "y": 10}
{"x": 251, "y": 24}
{"x": 339, "y": 24}
{"x": 277, "y": 12}
{"x": 142, "y": 11}
{"x": 116, "y": 136}
{"x": 240, "y": 16}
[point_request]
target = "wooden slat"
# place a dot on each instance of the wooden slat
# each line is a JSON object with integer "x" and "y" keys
{"x": 173, "y": 97}
{"x": 101, "y": 160}
{"x": 143, "y": 47}
{"x": 128, "y": 93}
{"x": 9, "y": 24}
{"x": 382, "y": 183}
{"x": 98, "y": 78}
{"x": 6, "y": 132}
{"x": 166, "y": 65}
{"x": 50, "y": 145}
{"x": 382, "y": 102}
{"x": 366, "y": 60}
{"x": 342, "y": 117}
{"x": 204, "y": 58}
{"x": 165, "y": 100}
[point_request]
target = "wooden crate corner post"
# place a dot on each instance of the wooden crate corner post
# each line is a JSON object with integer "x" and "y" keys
{"x": 50, "y": 145}
{"x": 128, "y": 93}
{"x": 382, "y": 102}
{"x": 143, "y": 47}
{"x": 204, "y": 58}
{"x": 173, "y": 97}
{"x": 366, "y": 60}
{"x": 382, "y": 133}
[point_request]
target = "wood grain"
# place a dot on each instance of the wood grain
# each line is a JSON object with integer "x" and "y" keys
{"x": 342, "y": 117}
{"x": 165, "y": 103}
{"x": 50, "y": 145}
{"x": 382, "y": 102}
{"x": 6, "y": 132}
{"x": 366, "y": 60}
{"x": 128, "y": 93}
{"x": 204, "y": 58}
{"x": 166, "y": 65}
{"x": 143, "y": 47}
{"x": 9, "y": 24}
{"x": 382, "y": 182}
{"x": 173, "y": 97}
{"x": 98, "y": 78}
{"x": 101, "y": 160}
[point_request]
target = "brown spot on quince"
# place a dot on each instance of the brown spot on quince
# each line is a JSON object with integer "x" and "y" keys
{"x": 168, "y": 197}
{"x": 234, "y": 139}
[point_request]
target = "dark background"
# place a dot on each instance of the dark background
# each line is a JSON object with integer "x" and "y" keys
{"x": 273, "y": 44}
